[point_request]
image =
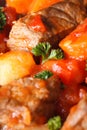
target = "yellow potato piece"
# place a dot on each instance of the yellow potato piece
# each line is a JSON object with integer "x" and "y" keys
{"x": 14, "y": 65}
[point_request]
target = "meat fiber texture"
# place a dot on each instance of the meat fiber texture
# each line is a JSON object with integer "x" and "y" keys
{"x": 59, "y": 20}
{"x": 28, "y": 97}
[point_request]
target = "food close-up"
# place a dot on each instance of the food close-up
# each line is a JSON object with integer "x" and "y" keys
{"x": 43, "y": 65}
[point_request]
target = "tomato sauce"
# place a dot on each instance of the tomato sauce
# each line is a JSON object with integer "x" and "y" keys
{"x": 36, "y": 24}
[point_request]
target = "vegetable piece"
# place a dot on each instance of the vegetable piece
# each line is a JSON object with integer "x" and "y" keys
{"x": 44, "y": 50}
{"x": 14, "y": 65}
{"x": 56, "y": 54}
{"x": 75, "y": 44}
{"x": 22, "y": 6}
{"x": 2, "y": 18}
{"x": 41, "y": 4}
{"x": 44, "y": 74}
{"x": 69, "y": 71}
{"x": 54, "y": 123}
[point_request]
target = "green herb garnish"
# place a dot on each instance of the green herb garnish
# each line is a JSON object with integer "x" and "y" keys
{"x": 54, "y": 123}
{"x": 44, "y": 74}
{"x": 56, "y": 54}
{"x": 2, "y": 18}
{"x": 44, "y": 50}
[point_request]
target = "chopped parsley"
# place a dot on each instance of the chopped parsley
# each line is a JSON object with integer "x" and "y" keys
{"x": 44, "y": 75}
{"x": 2, "y": 18}
{"x": 56, "y": 54}
{"x": 54, "y": 123}
{"x": 44, "y": 50}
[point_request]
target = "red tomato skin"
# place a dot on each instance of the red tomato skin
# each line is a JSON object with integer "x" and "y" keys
{"x": 69, "y": 71}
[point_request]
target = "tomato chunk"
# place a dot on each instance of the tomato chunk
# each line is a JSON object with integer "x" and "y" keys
{"x": 70, "y": 71}
{"x": 36, "y": 23}
{"x": 75, "y": 44}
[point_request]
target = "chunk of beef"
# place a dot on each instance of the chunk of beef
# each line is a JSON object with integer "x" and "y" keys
{"x": 58, "y": 21}
{"x": 28, "y": 96}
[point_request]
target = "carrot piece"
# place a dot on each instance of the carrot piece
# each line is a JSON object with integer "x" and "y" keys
{"x": 21, "y": 6}
{"x": 40, "y": 4}
{"x": 75, "y": 44}
{"x": 24, "y": 6}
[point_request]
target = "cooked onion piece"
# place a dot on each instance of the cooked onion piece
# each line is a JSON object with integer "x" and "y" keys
{"x": 14, "y": 65}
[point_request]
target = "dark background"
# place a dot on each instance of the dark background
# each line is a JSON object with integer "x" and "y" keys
{"x": 2, "y": 2}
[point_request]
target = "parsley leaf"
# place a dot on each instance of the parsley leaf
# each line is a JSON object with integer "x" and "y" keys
{"x": 54, "y": 123}
{"x": 43, "y": 75}
{"x": 2, "y": 18}
{"x": 44, "y": 50}
{"x": 56, "y": 54}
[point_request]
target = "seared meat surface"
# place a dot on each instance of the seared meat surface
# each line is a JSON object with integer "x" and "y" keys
{"x": 76, "y": 1}
{"x": 28, "y": 99}
{"x": 77, "y": 119}
{"x": 54, "y": 23}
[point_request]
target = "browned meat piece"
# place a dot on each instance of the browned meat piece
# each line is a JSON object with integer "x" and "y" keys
{"x": 77, "y": 119}
{"x": 25, "y": 98}
{"x": 75, "y": 11}
{"x": 76, "y": 1}
{"x": 54, "y": 24}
